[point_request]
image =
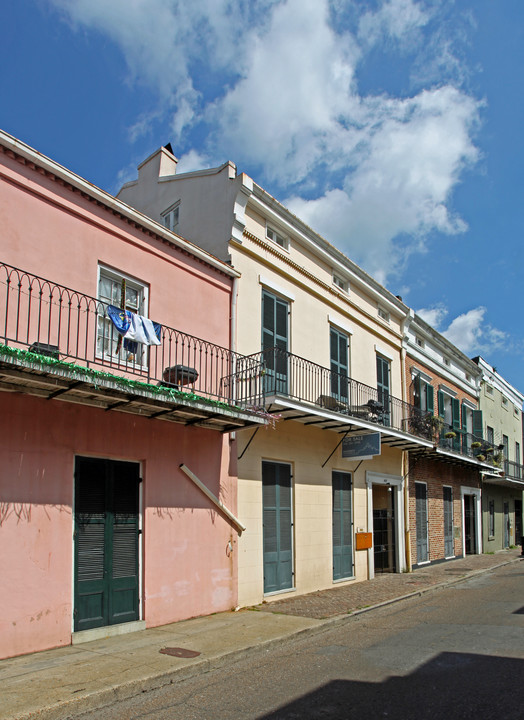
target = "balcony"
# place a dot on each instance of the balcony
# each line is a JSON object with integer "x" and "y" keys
{"x": 58, "y": 343}
{"x": 300, "y": 390}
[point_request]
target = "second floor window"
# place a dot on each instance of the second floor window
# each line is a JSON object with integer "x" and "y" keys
{"x": 171, "y": 217}
{"x": 122, "y": 292}
{"x": 423, "y": 395}
{"x": 339, "y": 364}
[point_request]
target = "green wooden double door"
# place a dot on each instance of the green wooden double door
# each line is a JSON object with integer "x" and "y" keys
{"x": 106, "y": 587}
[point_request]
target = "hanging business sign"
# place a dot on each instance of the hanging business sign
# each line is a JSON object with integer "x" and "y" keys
{"x": 361, "y": 447}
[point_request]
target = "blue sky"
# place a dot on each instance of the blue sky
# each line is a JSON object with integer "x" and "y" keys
{"x": 393, "y": 127}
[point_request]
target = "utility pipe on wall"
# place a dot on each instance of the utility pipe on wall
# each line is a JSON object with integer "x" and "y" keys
{"x": 213, "y": 498}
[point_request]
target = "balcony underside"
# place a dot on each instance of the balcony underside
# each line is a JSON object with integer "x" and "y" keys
{"x": 504, "y": 481}
{"x": 341, "y": 423}
{"x": 110, "y": 393}
{"x": 314, "y": 416}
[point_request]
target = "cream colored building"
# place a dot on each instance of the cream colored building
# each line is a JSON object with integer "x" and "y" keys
{"x": 501, "y": 406}
{"x": 329, "y": 340}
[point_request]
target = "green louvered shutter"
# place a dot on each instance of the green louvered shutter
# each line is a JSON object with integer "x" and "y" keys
{"x": 106, "y": 542}
{"x": 455, "y": 409}
{"x": 277, "y": 526}
{"x": 430, "y": 398}
{"x": 478, "y": 424}
{"x": 440, "y": 400}
{"x": 342, "y": 525}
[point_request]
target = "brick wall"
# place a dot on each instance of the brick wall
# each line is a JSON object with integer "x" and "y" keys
{"x": 437, "y": 474}
{"x": 436, "y": 380}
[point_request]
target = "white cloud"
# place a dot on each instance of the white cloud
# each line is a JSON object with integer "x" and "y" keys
{"x": 395, "y": 19}
{"x": 433, "y": 316}
{"x": 192, "y": 161}
{"x": 276, "y": 85}
{"x": 470, "y": 331}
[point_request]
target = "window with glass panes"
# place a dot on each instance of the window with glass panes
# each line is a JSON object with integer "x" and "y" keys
{"x": 110, "y": 288}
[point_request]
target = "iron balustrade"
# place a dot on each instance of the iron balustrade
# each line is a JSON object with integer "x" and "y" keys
{"x": 513, "y": 470}
{"x": 307, "y": 382}
{"x": 58, "y": 322}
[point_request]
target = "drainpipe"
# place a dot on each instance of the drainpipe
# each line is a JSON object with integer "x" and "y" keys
{"x": 405, "y": 453}
{"x": 233, "y": 332}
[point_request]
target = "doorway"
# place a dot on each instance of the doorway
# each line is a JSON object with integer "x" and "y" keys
{"x": 384, "y": 545}
{"x": 470, "y": 525}
{"x": 507, "y": 528}
{"x": 106, "y": 529}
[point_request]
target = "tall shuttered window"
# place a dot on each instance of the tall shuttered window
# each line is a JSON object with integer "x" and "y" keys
{"x": 339, "y": 344}
{"x": 277, "y": 517}
{"x": 342, "y": 525}
{"x": 275, "y": 342}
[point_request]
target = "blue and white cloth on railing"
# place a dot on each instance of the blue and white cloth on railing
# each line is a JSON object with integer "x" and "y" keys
{"x": 133, "y": 327}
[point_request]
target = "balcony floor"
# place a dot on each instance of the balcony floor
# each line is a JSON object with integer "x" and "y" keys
{"x": 109, "y": 392}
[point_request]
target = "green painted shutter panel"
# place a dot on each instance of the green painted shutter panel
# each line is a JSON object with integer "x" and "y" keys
{"x": 421, "y": 517}
{"x": 448, "y": 522}
{"x": 342, "y": 525}
{"x": 455, "y": 408}
{"x": 277, "y": 526}
{"x": 440, "y": 399}
{"x": 431, "y": 400}
{"x": 106, "y": 542}
{"x": 275, "y": 335}
{"x": 477, "y": 423}
{"x": 464, "y": 417}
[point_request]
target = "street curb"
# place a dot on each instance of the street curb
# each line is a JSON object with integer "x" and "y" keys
{"x": 75, "y": 707}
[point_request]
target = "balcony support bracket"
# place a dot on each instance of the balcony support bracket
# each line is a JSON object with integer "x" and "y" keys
{"x": 336, "y": 448}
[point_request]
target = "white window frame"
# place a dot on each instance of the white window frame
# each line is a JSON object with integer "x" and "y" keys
{"x": 171, "y": 216}
{"x": 276, "y": 237}
{"x": 141, "y": 358}
{"x": 383, "y": 314}
{"x": 340, "y": 283}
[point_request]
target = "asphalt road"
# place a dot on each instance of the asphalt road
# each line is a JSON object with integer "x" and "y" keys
{"x": 456, "y": 652}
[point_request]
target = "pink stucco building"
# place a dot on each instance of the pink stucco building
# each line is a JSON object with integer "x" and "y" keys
{"x": 105, "y": 435}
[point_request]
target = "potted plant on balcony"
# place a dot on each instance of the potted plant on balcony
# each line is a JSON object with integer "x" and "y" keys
{"x": 481, "y": 458}
{"x": 450, "y": 435}
{"x": 476, "y": 445}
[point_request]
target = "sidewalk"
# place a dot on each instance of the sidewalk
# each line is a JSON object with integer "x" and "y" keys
{"x": 64, "y": 681}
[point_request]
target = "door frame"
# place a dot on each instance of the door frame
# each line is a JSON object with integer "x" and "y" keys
{"x": 81, "y": 636}
{"x": 397, "y": 482}
{"x": 476, "y": 492}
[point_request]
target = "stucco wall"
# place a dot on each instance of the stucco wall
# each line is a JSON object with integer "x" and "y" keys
{"x": 186, "y": 567}
{"x": 56, "y": 233}
{"x": 306, "y": 450}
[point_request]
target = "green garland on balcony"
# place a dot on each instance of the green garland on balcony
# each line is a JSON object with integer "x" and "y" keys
{"x": 94, "y": 375}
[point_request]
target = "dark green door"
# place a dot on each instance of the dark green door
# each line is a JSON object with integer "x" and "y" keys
{"x": 277, "y": 527}
{"x": 342, "y": 526}
{"x": 106, "y": 542}
{"x": 274, "y": 343}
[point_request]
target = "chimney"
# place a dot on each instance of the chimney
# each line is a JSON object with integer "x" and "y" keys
{"x": 161, "y": 163}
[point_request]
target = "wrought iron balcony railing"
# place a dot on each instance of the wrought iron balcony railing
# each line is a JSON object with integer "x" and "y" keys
{"x": 513, "y": 470}
{"x": 65, "y": 325}
{"x": 299, "y": 379}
